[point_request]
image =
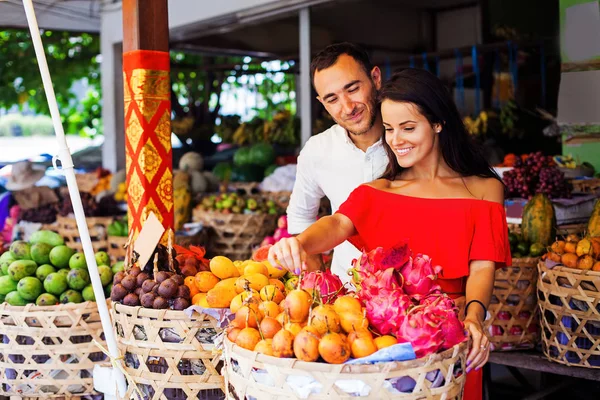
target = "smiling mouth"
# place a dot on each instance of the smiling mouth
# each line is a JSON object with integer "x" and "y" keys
{"x": 403, "y": 152}
{"x": 356, "y": 117}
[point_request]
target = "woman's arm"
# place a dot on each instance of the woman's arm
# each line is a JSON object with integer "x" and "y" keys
{"x": 480, "y": 285}
{"x": 321, "y": 236}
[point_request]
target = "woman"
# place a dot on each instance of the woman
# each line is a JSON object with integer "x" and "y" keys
{"x": 438, "y": 191}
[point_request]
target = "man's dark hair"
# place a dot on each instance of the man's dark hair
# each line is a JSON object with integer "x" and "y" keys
{"x": 330, "y": 54}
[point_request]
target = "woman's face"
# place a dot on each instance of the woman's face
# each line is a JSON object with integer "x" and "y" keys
{"x": 408, "y": 133}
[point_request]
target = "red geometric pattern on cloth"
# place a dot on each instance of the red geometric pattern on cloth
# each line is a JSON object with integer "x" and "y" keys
{"x": 149, "y": 156}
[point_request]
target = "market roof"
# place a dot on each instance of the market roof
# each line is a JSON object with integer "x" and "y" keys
{"x": 387, "y": 28}
{"x": 67, "y": 15}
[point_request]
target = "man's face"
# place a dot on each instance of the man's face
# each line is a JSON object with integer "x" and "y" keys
{"x": 348, "y": 94}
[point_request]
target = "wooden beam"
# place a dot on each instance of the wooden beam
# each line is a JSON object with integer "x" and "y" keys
{"x": 145, "y": 25}
{"x": 538, "y": 362}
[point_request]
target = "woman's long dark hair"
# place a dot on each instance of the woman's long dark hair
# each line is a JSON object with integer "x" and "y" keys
{"x": 435, "y": 103}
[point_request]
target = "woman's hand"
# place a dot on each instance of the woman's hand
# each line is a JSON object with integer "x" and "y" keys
{"x": 480, "y": 350}
{"x": 289, "y": 254}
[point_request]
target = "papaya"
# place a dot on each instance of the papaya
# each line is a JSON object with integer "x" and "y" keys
{"x": 220, "y": 297}
{"x": 47, "y": 237}
{"x": 254, "y": 281}
{"x": 539, "y": 220}
{"x": 593, "y": 227}
{"x": 182, "y": 199}
{"x": 228, "y": 284}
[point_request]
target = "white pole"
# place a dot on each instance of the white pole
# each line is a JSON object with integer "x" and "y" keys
{"x": 305, "y": 84}
{"x": 64, "y": 155}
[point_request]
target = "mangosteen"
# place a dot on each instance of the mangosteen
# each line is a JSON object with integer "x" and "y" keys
{"x": 135, "y": 271}
{"x": 141, "y": 278}
{"x": 187, "y": 270}
{"x": 118, "y": 277}
{"x": 161, "y": 276}
{"x": 181, "y": 304}
{"x": 168, "y": 289}
{"x": 155, "y": 289}
{"x": 138, "y": 291}
{"x": 179, "y": 279}
{"x": 192, "y": 262}
{"x": 203, "y": 267}
{"x": 129, "y": 283}
{"x": 118, "y": 292}
{"x": 148, "y": 285}
{"x": 147, "y": 300}
{"x": 160, "y": 303}
{"x": 183, "y": 291}
{"x": 132, "y": 300}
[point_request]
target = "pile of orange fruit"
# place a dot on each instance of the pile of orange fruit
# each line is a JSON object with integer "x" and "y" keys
{"x": 227, "y": 281}
{"x": 299, "y": 326}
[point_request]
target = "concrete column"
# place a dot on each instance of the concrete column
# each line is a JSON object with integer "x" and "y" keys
{"x": 305, "y": 83}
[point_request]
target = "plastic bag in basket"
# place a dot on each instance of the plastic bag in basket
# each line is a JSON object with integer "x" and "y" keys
{"x": 397, "y": 352}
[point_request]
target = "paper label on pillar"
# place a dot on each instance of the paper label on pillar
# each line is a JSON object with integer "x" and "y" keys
{"x": 148, "y": 239}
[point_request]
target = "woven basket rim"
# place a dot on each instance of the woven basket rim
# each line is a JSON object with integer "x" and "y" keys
{"x": 349, "y": 368}
{"x": 58, "y": 307}
{"x": 152, "y": 313}
{"x": 525, "y": 259}
{"x": 563, "y": 268}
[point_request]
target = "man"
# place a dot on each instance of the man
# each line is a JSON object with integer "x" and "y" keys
{"x": 350, "y": 153}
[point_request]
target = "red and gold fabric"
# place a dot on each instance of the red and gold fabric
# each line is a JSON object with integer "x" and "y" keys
{"x": 148, "y": 137}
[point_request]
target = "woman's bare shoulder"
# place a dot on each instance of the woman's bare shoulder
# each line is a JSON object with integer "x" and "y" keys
{"x": 379, "y": 184}
{"x": 490, "y": 189}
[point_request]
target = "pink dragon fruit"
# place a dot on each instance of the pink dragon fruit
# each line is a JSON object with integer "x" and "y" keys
{"x": 387, "y": 309}
{"x": 371, "y": 284}
{"x": 394, "y": 257}
{"x": 269, "y": 240}
{"x": 326, "y": 284}
{"x": 443, "y": 310}
{"x": 281, "y": 233}
{"x": 423, "y": 332}
{"x": 419, "y": 277}
{"x": 378, "y": 260}
{"x": 282, "y": 222}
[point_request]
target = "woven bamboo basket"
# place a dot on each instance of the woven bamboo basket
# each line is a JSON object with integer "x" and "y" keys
{"x": 49, "y": 351}
{"x": 234, "y": 235}
{"x": 252, "y": 375}
{"x": 97, "y": 226}
{"x": 561, "y": 230}
{"x": 513, "y": 322}
{"x": 116, "y": 248}
{"x": 168, "y": 355}
{"x": 569, "y": 301}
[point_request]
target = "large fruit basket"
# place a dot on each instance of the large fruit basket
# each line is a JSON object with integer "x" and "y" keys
{"x": 249, "y": 374}
{"x": 49, "y": 351}
{"x": 514, "y": 322}
{"x": 235, "y": 235}
{"x": 569, "y": 301}
{"x": 167, "y": 354}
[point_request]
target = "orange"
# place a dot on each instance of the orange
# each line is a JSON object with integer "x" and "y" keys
{"x": 385, "y": 341}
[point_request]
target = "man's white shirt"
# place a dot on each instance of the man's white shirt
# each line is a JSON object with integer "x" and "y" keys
{"x": 331, "y": 165}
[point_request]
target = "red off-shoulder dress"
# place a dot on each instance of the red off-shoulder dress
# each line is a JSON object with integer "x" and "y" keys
{"x": 452, "y": 231}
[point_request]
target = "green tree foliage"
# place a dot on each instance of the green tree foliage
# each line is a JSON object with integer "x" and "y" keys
{"x": 198, "y": 81}
{"x": 72, "y": 57}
